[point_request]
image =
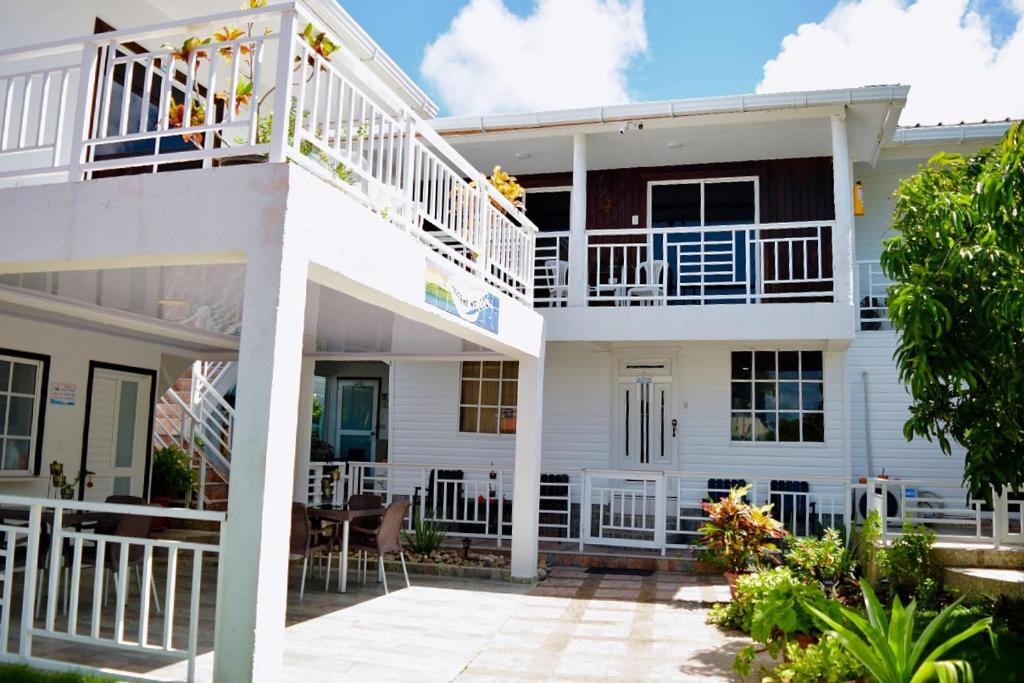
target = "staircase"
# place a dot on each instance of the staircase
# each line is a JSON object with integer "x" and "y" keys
{"x": 194, "y": 416}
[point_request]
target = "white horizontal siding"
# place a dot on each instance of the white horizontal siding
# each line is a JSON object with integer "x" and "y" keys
{"x": 577, "y": 416}
{"x": 706, "y": 443}
{"x": 888, "y": 402}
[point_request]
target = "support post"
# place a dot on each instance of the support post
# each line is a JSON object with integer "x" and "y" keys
{"x": 282, "y": 98}
{"x": 252, "y": 589}
{"x": 842, "y": 235}
{"x": 526, "y": 487}
{"x": 578, "y": 223}
{"x": 304, "y": 432}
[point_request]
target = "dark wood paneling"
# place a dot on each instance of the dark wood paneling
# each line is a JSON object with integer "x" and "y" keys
{"x": 790, "y": 189}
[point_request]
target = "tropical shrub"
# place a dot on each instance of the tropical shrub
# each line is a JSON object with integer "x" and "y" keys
{"x": 907, "y": 563}
{"x": 825, "y": 661}
{"x": 825, "y": 561}
{"x": 738, "y": 536}
{"x": 172, "y": 473}
{"x": 772, "y": 608}
{"x": 886, "y": 647}
{"x": 427, "y": 534}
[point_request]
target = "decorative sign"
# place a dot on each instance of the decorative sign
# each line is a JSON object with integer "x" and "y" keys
{"x": 63, "y": 394}
{"x": 462, "y": 295}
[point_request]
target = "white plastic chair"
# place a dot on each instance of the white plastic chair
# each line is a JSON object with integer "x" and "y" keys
{"x": 556, "y": 274}
{"x": 649, "y": 289}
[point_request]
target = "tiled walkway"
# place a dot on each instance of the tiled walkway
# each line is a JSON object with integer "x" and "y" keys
{"x": 583, "y": 627}
{"x": 572, "y": 627}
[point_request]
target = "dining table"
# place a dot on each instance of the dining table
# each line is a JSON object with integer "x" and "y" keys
{"x": 344, "y": 517}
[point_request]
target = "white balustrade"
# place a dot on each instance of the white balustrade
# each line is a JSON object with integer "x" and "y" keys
{"x": 62, "y": 564}
{"x": 145, "y": 100}
{"x": 872, "y": 296}
{"x": 727, "y": 264}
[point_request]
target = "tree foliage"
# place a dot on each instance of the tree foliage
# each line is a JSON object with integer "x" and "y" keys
{"x": 957, "y": 261}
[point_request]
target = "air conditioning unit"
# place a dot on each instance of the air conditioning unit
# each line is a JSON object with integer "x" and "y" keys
{"x": 860, "y": 503}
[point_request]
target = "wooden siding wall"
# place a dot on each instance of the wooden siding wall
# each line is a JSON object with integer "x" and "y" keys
{"x": 791, "y": 189}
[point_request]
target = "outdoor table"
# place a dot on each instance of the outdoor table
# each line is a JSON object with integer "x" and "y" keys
{"x": 332, "y": 514}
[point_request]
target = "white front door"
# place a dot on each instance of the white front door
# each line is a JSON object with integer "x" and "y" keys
{"x": 118, "y": 428}
{"x": 644, "y": 432}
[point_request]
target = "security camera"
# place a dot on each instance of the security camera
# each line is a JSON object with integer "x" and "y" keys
{"x": 640, "y": 125}
{"x": 623, "y": 128}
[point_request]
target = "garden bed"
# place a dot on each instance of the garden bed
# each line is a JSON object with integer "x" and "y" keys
{"x": 478, "y": 565}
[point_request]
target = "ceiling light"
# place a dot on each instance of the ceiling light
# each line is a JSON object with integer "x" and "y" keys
{"x": 522, "y": 155}
{"x": 674, "y": 145}
{"x": 170, "y": 301}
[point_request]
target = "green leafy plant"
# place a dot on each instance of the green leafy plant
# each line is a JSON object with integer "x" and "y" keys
{"x": 825, "y": 661}
{"x": 825, "y": 561}
{"x": 885, "y": 645}
{"x": 427, "y": 534}
{"x": 738, "y": 536}
{"x": 957, "y": 264}
{"x": 907, "y": 563}
{"x": 172, "y": 473}
{"x": 773, "y": 609}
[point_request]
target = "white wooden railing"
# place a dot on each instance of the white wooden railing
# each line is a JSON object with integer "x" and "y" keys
{"x": 59, "y": 564}
{"x": 126, "y": 101}
{"x": 944, "y": 507}
{"x": 728, "y": 264}
{"x": 872, "y": 296}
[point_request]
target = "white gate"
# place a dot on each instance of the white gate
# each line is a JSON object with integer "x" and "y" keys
{"x": 623, "y": 508}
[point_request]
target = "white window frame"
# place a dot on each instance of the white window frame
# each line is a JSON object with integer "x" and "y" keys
{"x": 37, "y": 407}
{"x": 478, "y": 405}
{"x": 801, "y": 442}
{"x": 704, "y": 181}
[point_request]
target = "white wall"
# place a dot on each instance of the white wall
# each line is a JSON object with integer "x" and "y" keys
{"x": 70, "y": 351}
{"x": 872, "y": 352}
{"x": 578, "y": 415}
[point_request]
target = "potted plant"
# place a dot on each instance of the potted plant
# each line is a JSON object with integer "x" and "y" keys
{"x": 172, "y": 478}
{"x": 508, "y": 186}
{"x": 738, "y": 536}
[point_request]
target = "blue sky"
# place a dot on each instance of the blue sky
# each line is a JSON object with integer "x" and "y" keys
{"x": 682, "y": 35}
{"x": 696, "y": 48}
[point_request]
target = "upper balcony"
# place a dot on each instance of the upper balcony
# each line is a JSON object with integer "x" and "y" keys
{"x": 247, "y": 87}
{"x": 711, "y": 219}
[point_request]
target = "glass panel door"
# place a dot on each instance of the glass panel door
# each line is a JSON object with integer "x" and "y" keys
{"x": 644, "y": 435}
{"x": 357, "y": 420}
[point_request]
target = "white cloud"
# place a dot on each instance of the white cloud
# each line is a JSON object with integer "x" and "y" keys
{"x": 567, "y": 53}
{"x": 943, "y": 49}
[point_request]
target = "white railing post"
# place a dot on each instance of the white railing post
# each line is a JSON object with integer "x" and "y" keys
{"x": 585, "y": 493}
{"x": 500, "y": 495}
{"x": 83, "y": 111}
{"x": 660, "y": 510}
{"x": 484, "y": 227}
{"x": 283, "y": 94}
{"x": 1000, "y": 517}
{"x": 28, "y": 605}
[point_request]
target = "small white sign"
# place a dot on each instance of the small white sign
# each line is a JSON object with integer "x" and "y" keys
{"x": 63, "y": 393}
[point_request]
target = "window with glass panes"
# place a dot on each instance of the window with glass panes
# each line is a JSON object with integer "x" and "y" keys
{"x": 778, "y": 396}
{"x": 488, "y": 399}
{"x": 20, "y": 382}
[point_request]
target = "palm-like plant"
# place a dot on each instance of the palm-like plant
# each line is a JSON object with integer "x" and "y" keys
{"x": 886, "y": 647}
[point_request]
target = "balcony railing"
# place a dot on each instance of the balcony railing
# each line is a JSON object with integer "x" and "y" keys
{"x": 872, "y": 296}
{"x": 267, "y": 86}
{"x": 730, "y": 264}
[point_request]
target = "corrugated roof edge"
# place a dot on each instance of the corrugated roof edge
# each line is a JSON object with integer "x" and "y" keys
{"x": 673, "y": 108}
{"x": 961, "y": 132}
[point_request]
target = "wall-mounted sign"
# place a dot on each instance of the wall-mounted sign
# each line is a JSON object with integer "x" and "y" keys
{"x": 462, "y": 295}
{"x": 63, "y": 393}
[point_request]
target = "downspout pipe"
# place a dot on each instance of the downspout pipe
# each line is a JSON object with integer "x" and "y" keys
{"x": 867, "y": 425}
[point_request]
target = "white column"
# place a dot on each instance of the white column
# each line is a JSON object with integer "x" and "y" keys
{"x": 842, "y": 190}
{"x": 526, "y": 501}
{"x": 253, "y": 577}
{"x": 304, "y": 431}
{"x": 578, "y": 223}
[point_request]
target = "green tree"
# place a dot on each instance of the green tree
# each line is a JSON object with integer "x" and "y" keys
{"x": 957, "y": 261}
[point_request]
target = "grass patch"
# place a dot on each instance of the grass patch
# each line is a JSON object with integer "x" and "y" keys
{"x": 20, "y": 673}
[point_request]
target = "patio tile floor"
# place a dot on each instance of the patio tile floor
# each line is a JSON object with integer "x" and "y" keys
{"x": 572, "y": 627}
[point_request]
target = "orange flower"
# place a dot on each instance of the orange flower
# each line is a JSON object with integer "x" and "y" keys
{"x": 197, "y": 117}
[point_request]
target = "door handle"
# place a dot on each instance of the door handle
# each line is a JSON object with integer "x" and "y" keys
{"x": 675, "y": 426}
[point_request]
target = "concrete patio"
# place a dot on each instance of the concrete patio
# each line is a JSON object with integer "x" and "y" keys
{"x": 571, "y": 627}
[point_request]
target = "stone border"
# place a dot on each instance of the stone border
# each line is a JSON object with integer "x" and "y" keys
{"x": 429, "y": 569}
